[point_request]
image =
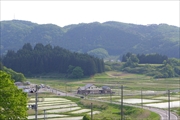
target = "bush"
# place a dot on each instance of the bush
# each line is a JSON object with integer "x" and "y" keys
{"x": 107, "y": 68}
{"x": 98, "y": 105}
{"x": 86, "y": 117}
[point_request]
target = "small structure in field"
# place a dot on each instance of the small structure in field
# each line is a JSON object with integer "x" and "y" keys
{"x": 92, "y": 89}
{"x": 18, "y": 83}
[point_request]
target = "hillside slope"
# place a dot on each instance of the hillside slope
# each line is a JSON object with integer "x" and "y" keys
{"x": 115, "y": 37}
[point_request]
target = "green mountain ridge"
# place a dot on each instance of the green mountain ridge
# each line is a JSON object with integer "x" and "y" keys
{"x": 115, "y": 37}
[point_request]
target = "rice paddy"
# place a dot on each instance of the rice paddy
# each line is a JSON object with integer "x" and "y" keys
{"x": 153, "y": 91}
{"x": 59, "y": 109}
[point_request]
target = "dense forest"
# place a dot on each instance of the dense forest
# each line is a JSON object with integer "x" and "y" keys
{"x": 44, "y": 59}
{"x": 99, "y": 39}
{"x": 146, "y": 58}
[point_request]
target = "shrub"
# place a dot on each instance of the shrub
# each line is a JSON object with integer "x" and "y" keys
{"x": 86, "y": 117}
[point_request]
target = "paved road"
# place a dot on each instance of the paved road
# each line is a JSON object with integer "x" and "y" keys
{"x": 163, "y": 113}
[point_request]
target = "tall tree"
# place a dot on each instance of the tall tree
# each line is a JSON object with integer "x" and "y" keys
{"x": 13, "y": 101}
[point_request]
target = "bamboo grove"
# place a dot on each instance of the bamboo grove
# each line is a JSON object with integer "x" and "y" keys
{"x": 44, "y": 59}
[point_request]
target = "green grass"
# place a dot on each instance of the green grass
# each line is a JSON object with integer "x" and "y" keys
{"x": 114, "y": 79}
{"x": 112, "y": 111}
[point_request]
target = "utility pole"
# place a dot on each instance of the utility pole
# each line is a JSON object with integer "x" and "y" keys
{"x": 44, "y": 114}
{"x": 110, "y": 97}
{"x": 66, "y": 88}
{"x": 141, "y": 98}
{"x": 168, "y": 104}
{"x": 91, "y": 112}
{"x": 36, "y": 107}
{"x": 122, "y": 102}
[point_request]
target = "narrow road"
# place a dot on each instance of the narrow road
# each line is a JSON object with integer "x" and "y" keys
{"x": 163, "y": 113}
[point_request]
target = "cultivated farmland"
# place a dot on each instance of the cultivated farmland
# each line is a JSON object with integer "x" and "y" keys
{"x": 137, "y": 89}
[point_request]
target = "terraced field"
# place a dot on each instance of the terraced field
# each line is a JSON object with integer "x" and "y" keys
{"x": 153, "y": 91}
{"x": 59, "y": 109}
{"x": 159, "y": 102}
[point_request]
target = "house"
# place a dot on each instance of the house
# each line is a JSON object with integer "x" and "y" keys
{"x": 92, "y": 89}
{"x": 106, "y": 89}
{"x": 89, "y": 89}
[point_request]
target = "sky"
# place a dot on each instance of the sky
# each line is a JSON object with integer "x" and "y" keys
{"x": 68, "y": 12}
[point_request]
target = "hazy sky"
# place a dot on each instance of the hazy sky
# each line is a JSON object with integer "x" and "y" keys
{"x": 64, "y": 13}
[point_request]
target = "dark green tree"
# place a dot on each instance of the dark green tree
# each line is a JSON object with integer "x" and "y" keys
{"x": 77, "y": 72}
{"x": 132, "y": 61}
{"x": 168, "y": 71}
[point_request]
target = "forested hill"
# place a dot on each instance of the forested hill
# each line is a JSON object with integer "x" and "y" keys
{"x": 101, "y": 39}
{"x": 47, "y": 59}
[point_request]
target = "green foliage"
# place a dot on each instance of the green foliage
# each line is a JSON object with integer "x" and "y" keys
{"x": 170, "y": 68}
{"x": 86, "y": 117}
{"x": 178, "y": 111}
{"x": 76, "y": 72}
{"x": 99, "y": 52}
{"x": 168, "y": 71}
{"x": 114, "y": 37}
{"x": 13, "y": 101}
{"x": 132, "y": 61}
{"x": 47, "y": 59}
{"x": 97, "y": 105}
{"x": 107, "y": 68}
{"x": 70, "y": 69}
{"x": 18, "y": 77}
{"x": 148, "y": 58}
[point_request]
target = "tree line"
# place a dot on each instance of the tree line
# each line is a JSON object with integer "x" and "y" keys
{"x": 44, "y": 59}
{"x": 146, "y": 58}
{"x": 17, "y": 77}
{"x": 168, "y": 67}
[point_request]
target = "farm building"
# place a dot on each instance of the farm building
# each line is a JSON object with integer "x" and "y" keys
{"x": 92, "y": 89}
{"x": 18, "y": 83}
{"x": 106, "y": 89}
